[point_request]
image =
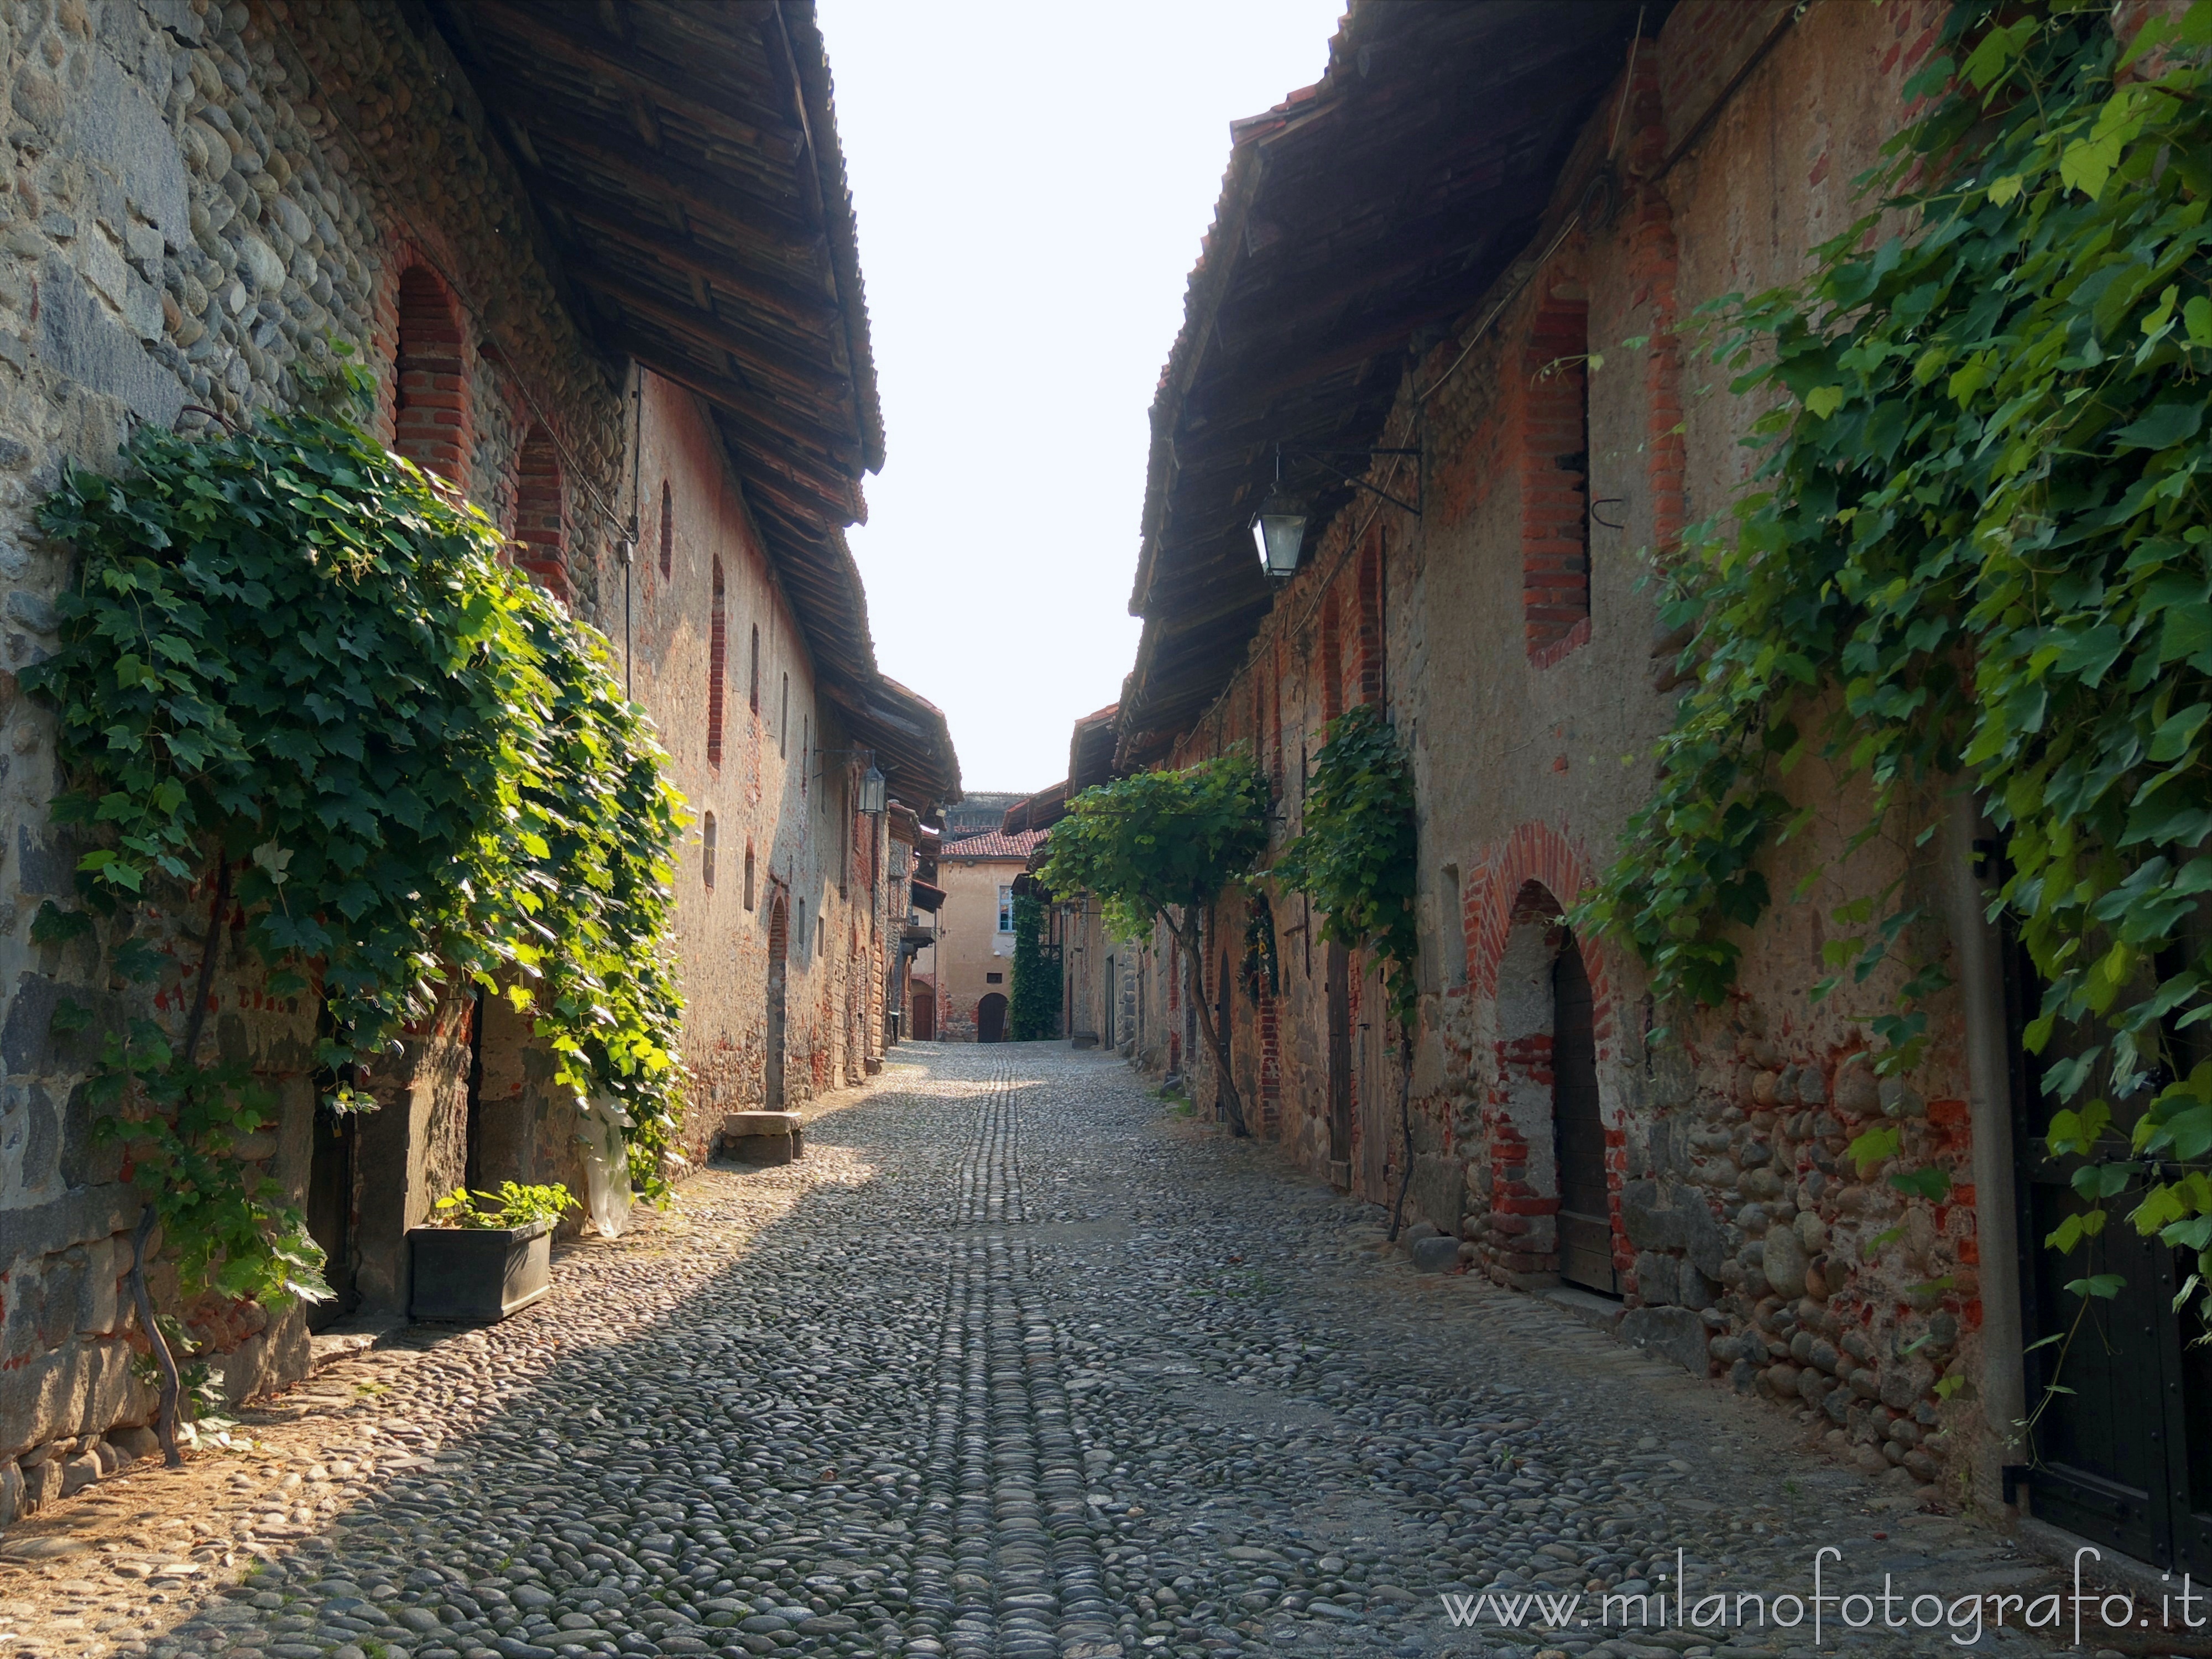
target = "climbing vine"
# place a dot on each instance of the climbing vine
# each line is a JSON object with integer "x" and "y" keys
{"x": 1357, "y": 856}
{"x": 295, "y": 672}
{"x": 1979, "y": 551}
{"x": 1161, "y": 846}
{"x": 1033, "y": 1009}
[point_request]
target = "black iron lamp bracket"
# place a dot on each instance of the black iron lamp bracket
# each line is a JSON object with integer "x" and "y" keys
{"x": 831, "y": 754}
{"x": 1332, "y": 456}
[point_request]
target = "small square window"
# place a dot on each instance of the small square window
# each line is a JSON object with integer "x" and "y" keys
{"x": 995, "y": 979}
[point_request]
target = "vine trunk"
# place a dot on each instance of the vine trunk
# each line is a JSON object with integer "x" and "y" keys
{"x": 1193, "y": 955}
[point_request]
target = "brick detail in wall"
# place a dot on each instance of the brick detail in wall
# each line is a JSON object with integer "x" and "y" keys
{"x": 541, "y": 536}
{"x": 430, "y": 421}
{"x": 1522, "y": 886}
{"x": 1555, "y": 584}
{"x": 718, "y": 656}
{"x": 1331, "y": 659}
{"x": 1653, "y": 261}
{"x": 1540, "y": 853}
{"x": 1372, "y": 677}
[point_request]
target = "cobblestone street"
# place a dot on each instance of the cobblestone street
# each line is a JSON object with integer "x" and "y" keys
{"x": 1016, "y": 1361}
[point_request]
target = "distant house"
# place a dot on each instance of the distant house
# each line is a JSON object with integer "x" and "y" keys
{"x": 970, "y": 969}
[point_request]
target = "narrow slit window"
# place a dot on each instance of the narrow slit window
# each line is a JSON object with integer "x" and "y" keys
{"x": 1555, "y": 477}
{"x": 707, "y": 851}
{"x": 717, "y": 655}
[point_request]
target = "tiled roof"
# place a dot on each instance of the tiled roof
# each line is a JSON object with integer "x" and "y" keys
{"x": 994, "y": 844}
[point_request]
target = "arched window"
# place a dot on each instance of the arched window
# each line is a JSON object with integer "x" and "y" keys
{"x": 707, "y": 851}
{"x": 667, "y": 530}
{"x": 753, "y": 679}
{"x": 540, "y": 524}
{"x": 749, "y": 875}
{"x": 717, "y": 654}
{"x": 431, "y": 397}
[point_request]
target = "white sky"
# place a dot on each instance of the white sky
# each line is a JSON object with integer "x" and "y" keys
{"x": 1031, "y": 181}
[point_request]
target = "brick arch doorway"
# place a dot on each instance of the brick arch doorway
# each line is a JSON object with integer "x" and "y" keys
{"x": 1578, "y": 1127}
{"x": 1553, "y": 1124}
{"x": 779, "y": 951}
{"x": 991, "y": 1019}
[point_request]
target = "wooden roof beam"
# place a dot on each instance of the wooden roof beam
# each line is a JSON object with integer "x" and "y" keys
{"x": 1212, "y": 403}
{"x": 708, "y": 330}
{"x": 733, "y": 396}
{"x": 747, "y": 218}
{"x": 705, "y": 108}
{"x": 824, "y": 516}
{"x": 679, "y": 254}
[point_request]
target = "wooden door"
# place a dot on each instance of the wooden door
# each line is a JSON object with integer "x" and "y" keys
{"x": 779, "y": 949}
{"x": 1338, "y": 970}
{"x": 1578, "y": 1130}
{"x": 1381, "y": 1138}
{"x": 329, "y": 1212}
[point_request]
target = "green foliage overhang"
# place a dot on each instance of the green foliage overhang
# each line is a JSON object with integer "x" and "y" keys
{"x": 296, "y": 668}
{"x": 1978, "y": 550}
{"x": 1356, "y": 856}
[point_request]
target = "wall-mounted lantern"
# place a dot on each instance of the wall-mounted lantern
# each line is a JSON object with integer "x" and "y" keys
{"x": 869, "y": 797}
{"x": 1279, "y": 528}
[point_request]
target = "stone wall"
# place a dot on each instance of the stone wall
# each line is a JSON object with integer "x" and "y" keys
{"x": 1513, "y": 635}
{"x": 781, "y": 785}
{"x": 201, "y": 200}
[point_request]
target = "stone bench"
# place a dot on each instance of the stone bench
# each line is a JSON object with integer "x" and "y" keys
{"x": 760, "y": 1137}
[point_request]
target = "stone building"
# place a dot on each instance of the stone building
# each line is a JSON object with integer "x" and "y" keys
{"x": 970, "y": 962}
{"x": 1447, "y": 285}
{"x": 602, "y": 264}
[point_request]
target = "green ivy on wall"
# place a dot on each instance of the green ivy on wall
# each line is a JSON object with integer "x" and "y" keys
{"x": 294, "y": 671}
{"x": 1033, "y": 1007}
{"x": 1357, "y": 856}
{"x": 1978, "y": 553}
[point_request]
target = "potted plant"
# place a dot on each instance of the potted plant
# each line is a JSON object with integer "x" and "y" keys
{"x": 488, "y": 1255}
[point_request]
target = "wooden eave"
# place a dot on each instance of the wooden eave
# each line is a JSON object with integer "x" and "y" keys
{"x": 684, "y": 160}
{"x": 1365, "y": 212}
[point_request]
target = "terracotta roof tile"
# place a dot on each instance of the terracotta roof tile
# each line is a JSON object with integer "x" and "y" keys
{"x": 994, "y": 844}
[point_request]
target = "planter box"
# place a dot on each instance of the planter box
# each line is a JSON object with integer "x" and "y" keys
{"x": 479, "y": 1275}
